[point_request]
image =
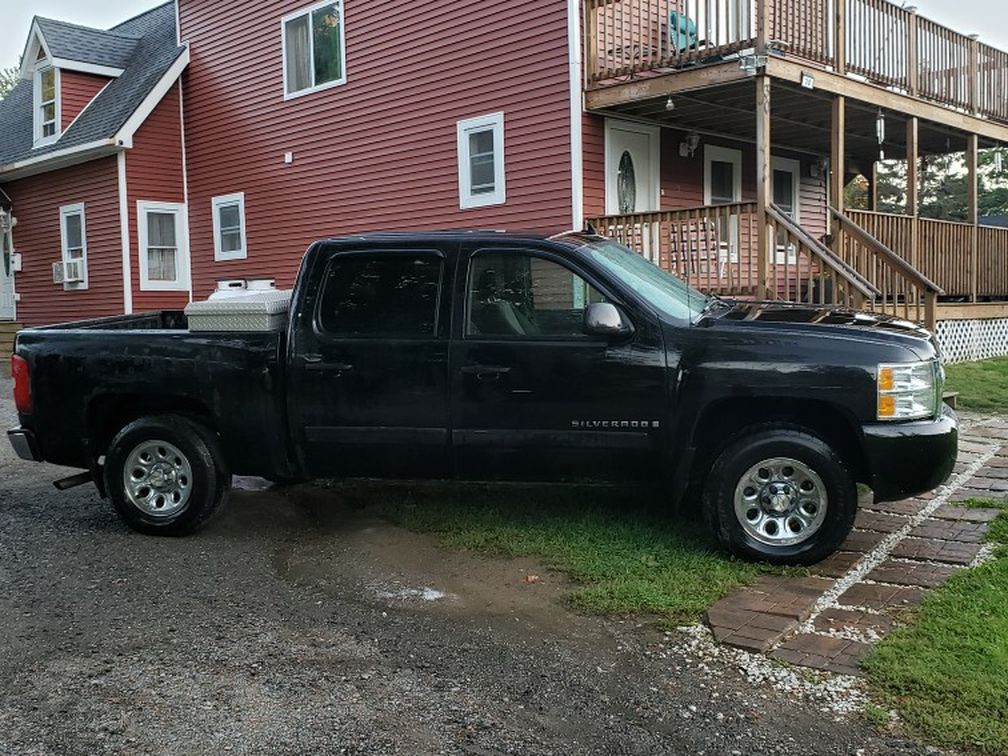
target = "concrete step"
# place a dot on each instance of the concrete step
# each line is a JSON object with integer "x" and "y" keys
{"x": 951, "y": 398}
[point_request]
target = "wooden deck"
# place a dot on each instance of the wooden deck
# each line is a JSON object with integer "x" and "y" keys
{"x": 872, "y": 41}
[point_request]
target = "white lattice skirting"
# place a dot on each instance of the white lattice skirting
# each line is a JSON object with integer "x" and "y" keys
{"x": 969, "y": 340}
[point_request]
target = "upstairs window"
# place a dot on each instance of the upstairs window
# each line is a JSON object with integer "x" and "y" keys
{"x": 229, "y": 227}
{"x": 481, "y": 161}
{"x": 314, "y": 53}
{"x": 46, "y": 105}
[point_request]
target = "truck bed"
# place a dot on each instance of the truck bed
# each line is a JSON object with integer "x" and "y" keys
{"x": 164, "y": 320}
{"x": 90, "y": 375}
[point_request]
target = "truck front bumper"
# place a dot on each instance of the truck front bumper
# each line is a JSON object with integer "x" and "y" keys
{"x": 911, "y": 458}
{"x": 25, "y": 445}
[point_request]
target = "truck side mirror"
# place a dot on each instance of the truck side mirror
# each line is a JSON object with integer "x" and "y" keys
{"x": 605, "y": 319}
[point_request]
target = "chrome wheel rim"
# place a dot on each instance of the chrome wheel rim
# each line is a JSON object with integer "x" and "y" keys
{"x": 157, "y": 479}
{"x": 781, "y": 502}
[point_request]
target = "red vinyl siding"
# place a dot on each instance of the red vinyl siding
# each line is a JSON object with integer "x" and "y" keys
{"x": 593, "y": 138}
{"x": 76, "y": 91}
{"x": 154, "y": 174}
{"x": 380, "y": 151}
{"x": 37, "y": 201}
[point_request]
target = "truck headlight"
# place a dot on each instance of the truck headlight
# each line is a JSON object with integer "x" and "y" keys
{"x": 909, "y": 391}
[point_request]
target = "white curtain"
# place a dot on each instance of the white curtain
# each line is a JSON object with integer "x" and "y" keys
{"x": 298, "y": 54}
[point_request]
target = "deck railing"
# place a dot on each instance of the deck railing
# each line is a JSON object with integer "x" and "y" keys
{"x": 875, "y": 39}
{"x": 716, "y": 249}
{"x": 945, "y": 252}
{"x": 904, "y": 291}
{"x": 626, "y": 37}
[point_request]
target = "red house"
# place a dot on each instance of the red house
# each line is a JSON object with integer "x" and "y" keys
{"x": 143, "y": 164}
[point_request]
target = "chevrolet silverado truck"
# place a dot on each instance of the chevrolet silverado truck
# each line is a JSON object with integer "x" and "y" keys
{"x": 498, "y": 356}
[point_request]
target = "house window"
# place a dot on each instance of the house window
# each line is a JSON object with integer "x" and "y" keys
{"x": 73, "y": 237}
{"x": 47, "y": 106}
{"x": 481, "y": 161}
{"x": 786, "y": 178}
{"x": 314, "y": 53}
{"x": 229, "y": 227}
{"x": 164, "y": 253}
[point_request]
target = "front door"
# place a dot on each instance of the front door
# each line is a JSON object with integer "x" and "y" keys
{"x": 7, "y": 304}
{"x": 369, "y": 371}
{"x": 532, "y": 395}
{"x": 633, "y": 159}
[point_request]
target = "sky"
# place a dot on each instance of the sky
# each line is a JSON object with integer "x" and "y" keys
{"x": 989, "y": 18}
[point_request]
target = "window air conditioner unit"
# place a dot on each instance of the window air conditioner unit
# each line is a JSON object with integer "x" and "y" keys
{"x": 73, "y": 271}
{"x": 57, "y": 273}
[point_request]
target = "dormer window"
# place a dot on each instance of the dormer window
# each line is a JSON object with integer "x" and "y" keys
{"x": 47, "y": 110}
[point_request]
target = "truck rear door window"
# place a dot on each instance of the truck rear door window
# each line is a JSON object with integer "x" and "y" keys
{"x": 381, "y": 295}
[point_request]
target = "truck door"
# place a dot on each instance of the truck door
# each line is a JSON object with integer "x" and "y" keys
{"x": 533, "y": 396}
{"x": 369, "y": 372}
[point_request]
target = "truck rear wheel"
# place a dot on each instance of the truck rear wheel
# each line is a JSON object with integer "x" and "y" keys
{"x": 780, "y": 495}
{"x": 165, "y": 475}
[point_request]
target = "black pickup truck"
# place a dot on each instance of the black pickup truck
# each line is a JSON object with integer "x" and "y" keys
{"x": 497, "y": 356}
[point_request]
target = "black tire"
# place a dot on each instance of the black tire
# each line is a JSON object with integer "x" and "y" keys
{"x": 206, "y": 491}
{"x": 774, "y": 442}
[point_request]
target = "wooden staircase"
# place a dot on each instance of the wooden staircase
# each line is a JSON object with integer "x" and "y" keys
{"x": 7, "y": 333}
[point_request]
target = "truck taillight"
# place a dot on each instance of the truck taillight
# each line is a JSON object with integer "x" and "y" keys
{"x": 22, "y": 385}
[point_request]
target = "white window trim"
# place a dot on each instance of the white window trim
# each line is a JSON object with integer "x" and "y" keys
{"x": 311, "y": 49}
{"x": 39, "y": 140}
{"x": 793, "y": 167}
{"x": 468, "y": 200}
{"x": 713, "y": 152}
{"x": 223, "y": 201}
{"x": 181, "y": 283}
{"x": 65, "y": 212}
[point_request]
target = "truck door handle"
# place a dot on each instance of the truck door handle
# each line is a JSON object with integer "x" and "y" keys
{"x": 486, "y": 372}
{"x": 315, "y": 363}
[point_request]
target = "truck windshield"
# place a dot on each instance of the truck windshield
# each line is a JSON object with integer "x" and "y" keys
{"x": 661, "y": 290}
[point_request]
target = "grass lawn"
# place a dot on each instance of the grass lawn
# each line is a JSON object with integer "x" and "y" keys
{"x": 982, "y": 386}
{"x": 623, "y": 550}
{"x": 947, "y": 675}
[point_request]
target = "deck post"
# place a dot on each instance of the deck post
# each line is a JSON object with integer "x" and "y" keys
{"x": 764, "y": 187}
{"x": 913, "y": 188}
{"x": 590, "y": 41}
{"x": 838, "y": 168}
{"x": 762, "y": 26}
{"x": 840, "y": 36}
{"x": 973, "y": 212}
{"x": 913, "y": 60}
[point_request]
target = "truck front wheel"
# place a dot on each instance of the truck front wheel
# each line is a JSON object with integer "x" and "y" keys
{"x": 780, "y": 495}
{"x": 165, "y": 475}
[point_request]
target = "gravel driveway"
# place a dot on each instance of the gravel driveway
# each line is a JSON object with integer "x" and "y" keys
{"x": 293, "y": 626}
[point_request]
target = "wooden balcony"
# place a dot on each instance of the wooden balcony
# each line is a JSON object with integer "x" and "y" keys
{"x": 872, "y": 41}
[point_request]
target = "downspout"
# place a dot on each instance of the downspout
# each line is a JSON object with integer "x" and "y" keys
{"x": 576, "y": 113}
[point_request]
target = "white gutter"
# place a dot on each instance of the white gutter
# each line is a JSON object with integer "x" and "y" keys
{"x": 576, "y": 113}
{"x": 67, "y": 156}
{"x": 124, "y": 236}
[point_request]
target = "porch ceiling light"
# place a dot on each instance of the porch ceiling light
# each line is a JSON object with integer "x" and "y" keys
{"x": 807, "y": 80}
{"x": 880, "y": 127}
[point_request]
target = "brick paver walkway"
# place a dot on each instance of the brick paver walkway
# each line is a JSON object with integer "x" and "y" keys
{"x": 896, "y": 553}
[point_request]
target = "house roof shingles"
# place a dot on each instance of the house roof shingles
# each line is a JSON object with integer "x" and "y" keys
{"x": 146, "y": 47}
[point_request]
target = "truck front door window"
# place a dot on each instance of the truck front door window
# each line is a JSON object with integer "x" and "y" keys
{"x": 513, "y": 295}
{"x": 383, "y": 295}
